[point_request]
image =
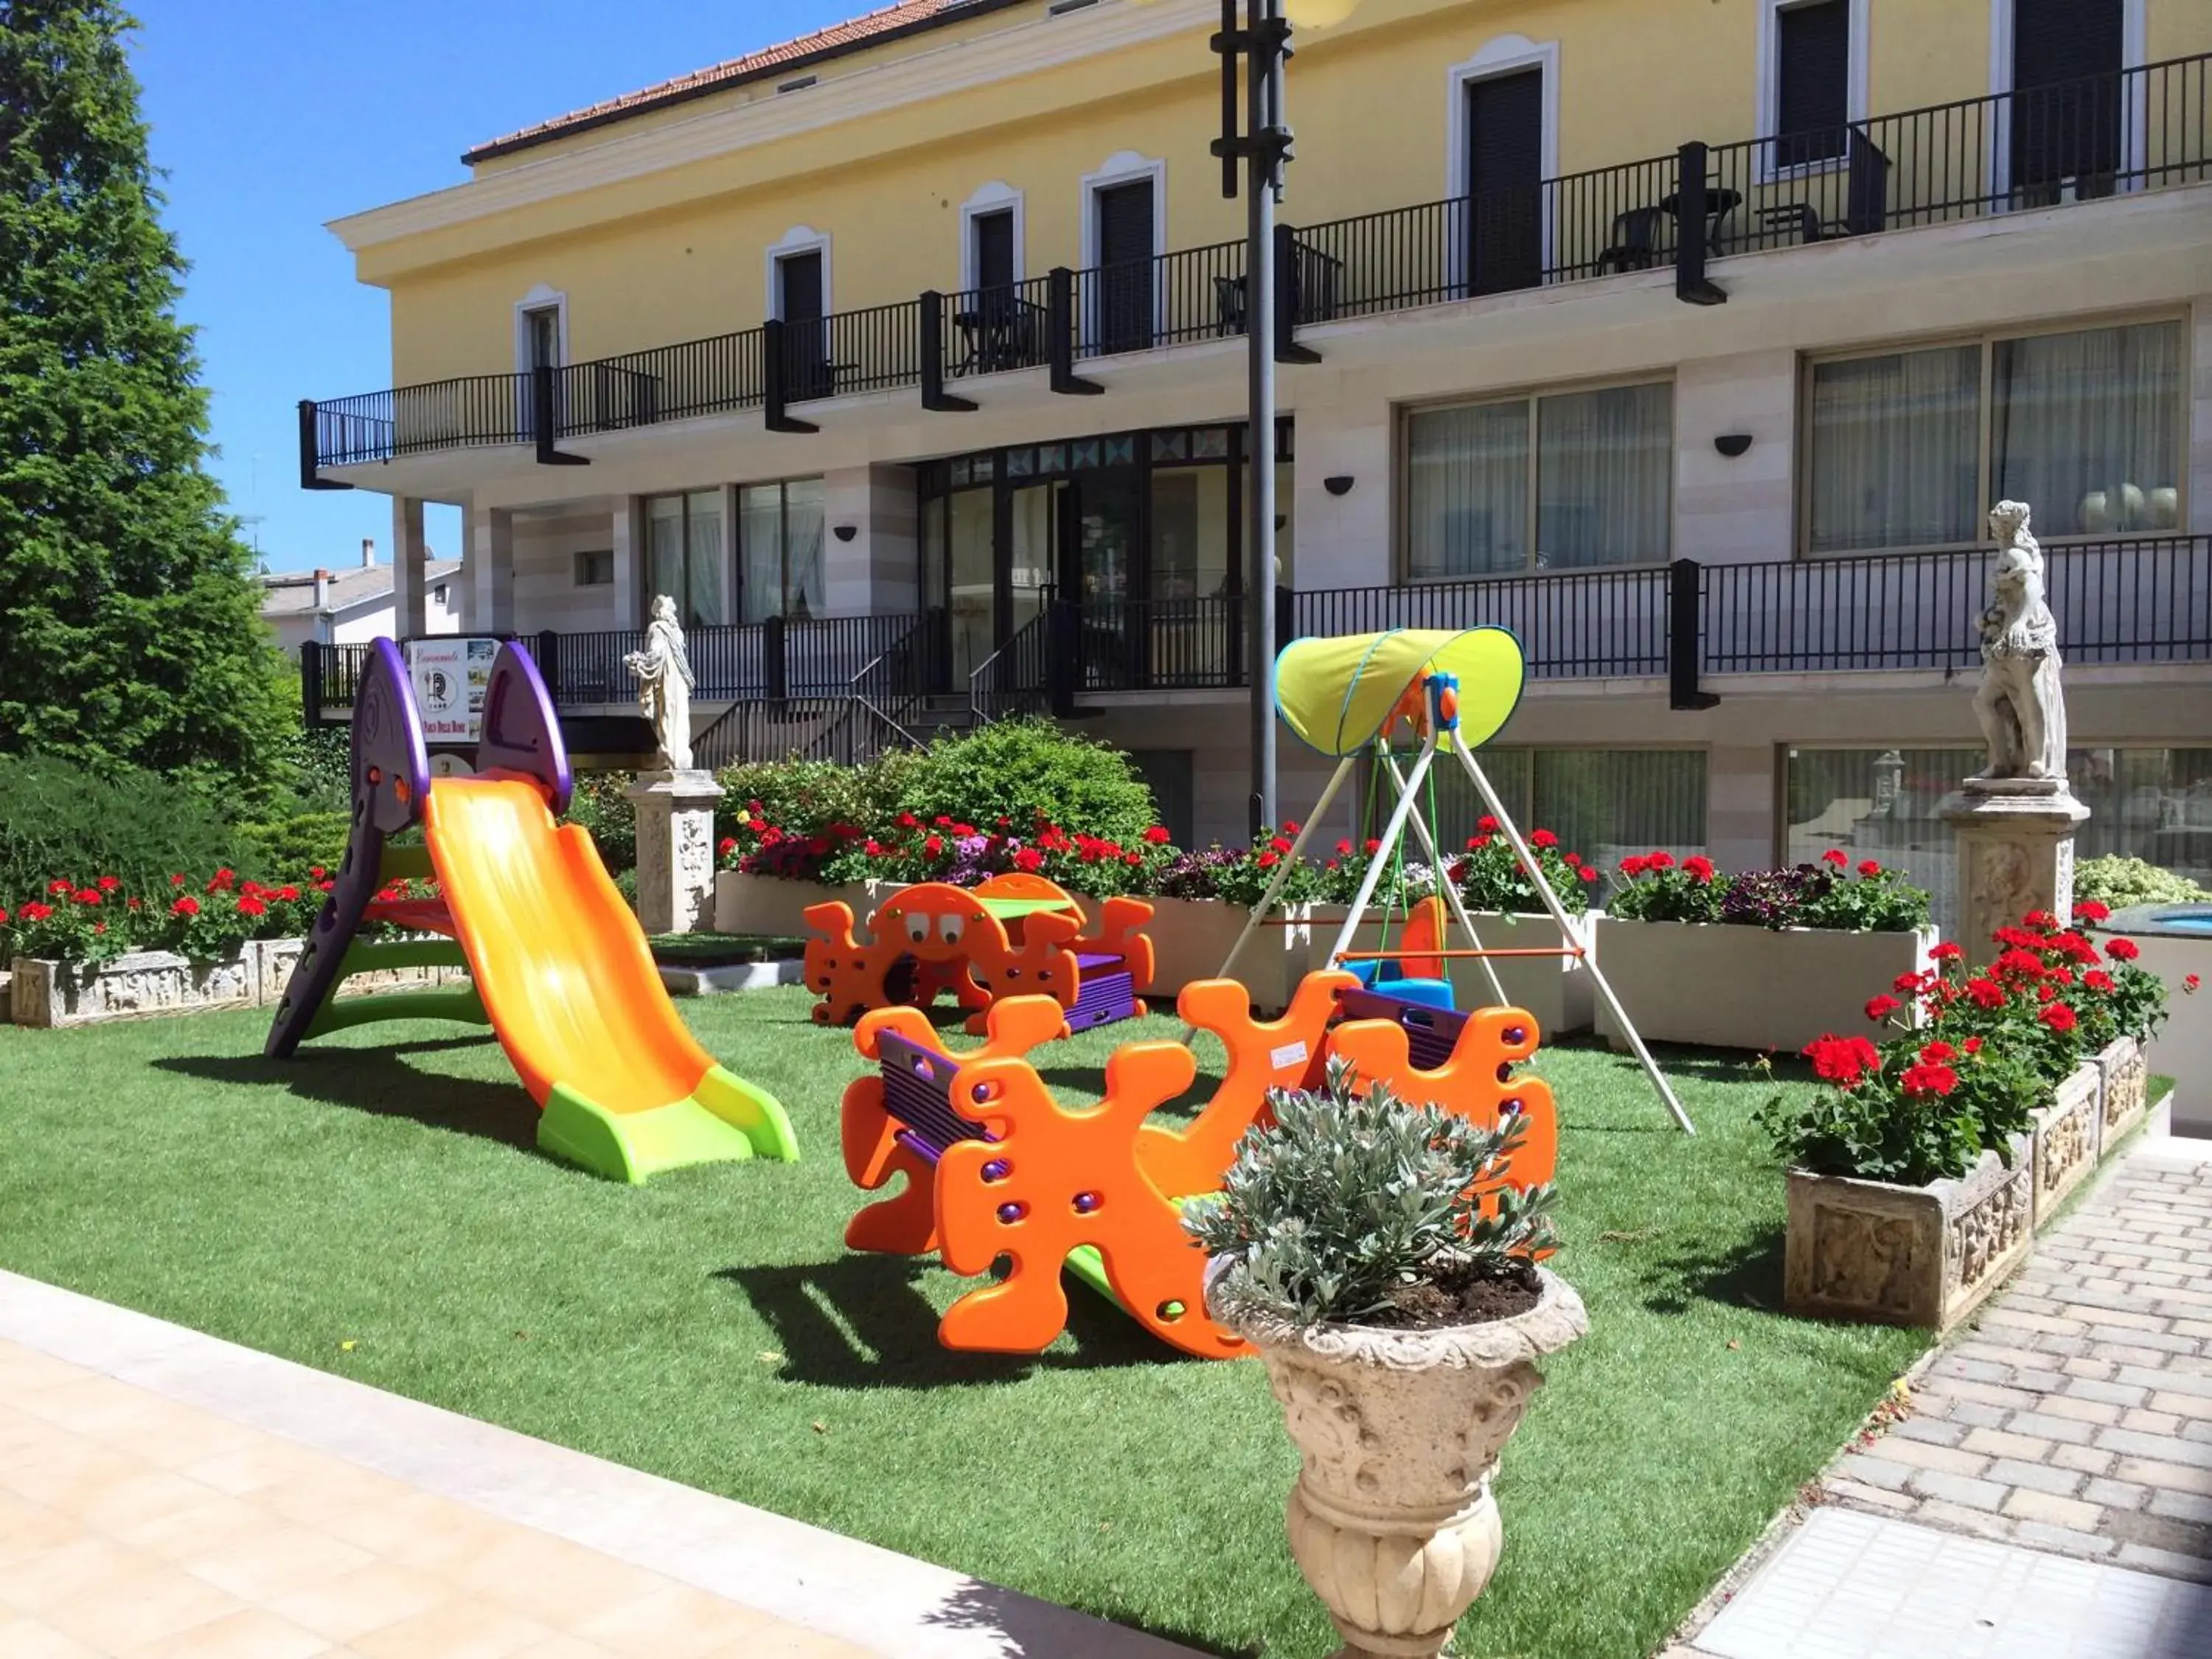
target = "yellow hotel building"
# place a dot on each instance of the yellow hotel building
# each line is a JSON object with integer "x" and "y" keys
{"x": 1691, "y": 340}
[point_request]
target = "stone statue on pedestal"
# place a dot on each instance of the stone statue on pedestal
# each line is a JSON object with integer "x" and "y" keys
{"x": 665, "y": 685}
{"x": 2020, "y": 705}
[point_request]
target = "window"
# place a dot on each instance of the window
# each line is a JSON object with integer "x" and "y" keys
{"x": 595, "y": 570}
{"x": 1812, "y": 75}
{"x": 780, "y": 549}
{"x": 1604, "y": 804}
{"x": 684, "y": 536}
{"x": 994, "y": 248}
{"x": 1576, "y": 479}
{"x": 2086, "y": 427}
{"x": 2146, "y": 802}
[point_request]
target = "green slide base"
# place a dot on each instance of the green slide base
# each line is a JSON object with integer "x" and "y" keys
{"x": 1088, "y": 1266}
{"x": 727, "y": 1119}
{"x": 463, "y": 1007}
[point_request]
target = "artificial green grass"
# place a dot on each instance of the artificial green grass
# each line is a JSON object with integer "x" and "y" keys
{"x": 382, "y": 1191}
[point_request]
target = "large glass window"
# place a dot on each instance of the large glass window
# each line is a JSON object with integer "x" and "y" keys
{"x": 1604, "y": 804}
{"x": 780, "y": 549}
{"x": 2150, "y": 803}
{"x": 1909, "y": 448}
{"x": 1565, "y": 481}
{"x": 685, "y": 542}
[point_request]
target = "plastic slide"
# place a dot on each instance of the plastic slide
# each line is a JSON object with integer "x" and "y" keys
{"x": 560, "y": 968}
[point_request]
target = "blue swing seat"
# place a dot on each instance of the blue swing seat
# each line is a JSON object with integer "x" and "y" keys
{"x": 1384, "y": 978}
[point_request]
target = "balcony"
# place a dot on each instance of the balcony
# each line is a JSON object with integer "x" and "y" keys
{"x": 841, "y": 687}
{"x": 2145, "y": 129}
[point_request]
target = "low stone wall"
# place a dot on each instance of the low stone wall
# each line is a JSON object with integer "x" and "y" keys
{"x": 51, "y": 994}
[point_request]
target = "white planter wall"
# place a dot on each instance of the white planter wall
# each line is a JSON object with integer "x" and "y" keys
{"x": 1728, "y": 986}
{"x": 1556, "y": 991}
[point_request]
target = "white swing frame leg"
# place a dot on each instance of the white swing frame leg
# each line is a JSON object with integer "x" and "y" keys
{"x": 1567, "y": 935}
{"x": 1445, "y": 882}
{"x": 1392, "y": 832}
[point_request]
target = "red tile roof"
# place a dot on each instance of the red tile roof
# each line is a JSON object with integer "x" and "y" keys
{"x": 838, "y": 38}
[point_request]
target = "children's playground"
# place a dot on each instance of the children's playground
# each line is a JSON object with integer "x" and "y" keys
{"x": 895, "y": 1251}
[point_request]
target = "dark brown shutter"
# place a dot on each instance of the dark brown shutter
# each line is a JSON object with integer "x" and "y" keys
{"x": 1813, "y": 73}
{"x": 1504, "y": 176}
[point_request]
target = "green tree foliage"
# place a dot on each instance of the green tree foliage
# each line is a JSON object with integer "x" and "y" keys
{"x": 130, "y": 627}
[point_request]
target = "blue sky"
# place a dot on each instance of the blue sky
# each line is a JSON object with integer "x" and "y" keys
{"x": 272, "y": 116}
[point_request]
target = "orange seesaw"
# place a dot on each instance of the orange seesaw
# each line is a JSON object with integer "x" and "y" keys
{"x": 996, "y": 1169}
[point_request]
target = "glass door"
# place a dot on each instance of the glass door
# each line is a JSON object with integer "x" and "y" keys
{"x": 1105, "y": 519}
{"x": 1032, "y": 553}
{"x": 971, "y": 585}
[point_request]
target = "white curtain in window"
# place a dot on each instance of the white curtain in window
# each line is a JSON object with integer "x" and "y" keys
{"x": 803, "y": 507}
{"x": 1604, "y": 804}
{"x": 664, "y": 536}
{"x": 702, "y": 606}
{"x": 1896, "y": 445}
{"x": 1605, "y": 477}
{"x": 1466, "y": 494}
{"x": 2087, "y": 428}
{"x": 760, "y": 550}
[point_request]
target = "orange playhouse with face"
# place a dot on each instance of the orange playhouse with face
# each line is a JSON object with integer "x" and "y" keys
{"x": 1016, "y": 935}
{"x": 995, "y": 1166}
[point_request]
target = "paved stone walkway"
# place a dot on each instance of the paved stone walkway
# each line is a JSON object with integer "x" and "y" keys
{"x": 166, "y": 1495}
{"x": 2077, "y": 1417}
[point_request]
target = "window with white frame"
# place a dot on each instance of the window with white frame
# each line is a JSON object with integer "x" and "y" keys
{"x": 1908, "y": 449}
{"x": 780, "y": 549}
{"x": 1557, "y": 482}
{"x": 683, "y": 542}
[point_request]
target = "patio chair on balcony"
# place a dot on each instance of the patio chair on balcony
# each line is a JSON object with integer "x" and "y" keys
{"x": 1792, "y": 221}
{"x": 1635, "y": 243}
{"x": 1866, "y": 189}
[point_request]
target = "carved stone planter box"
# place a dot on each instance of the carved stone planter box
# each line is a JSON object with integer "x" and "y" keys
{"x": 1555, "y": 990}
{"x": 2066, "y": 1133}
{"x": 49, "y": 995}
{"x": 1728, "y": 986}
{"x": 2123, "y": 1071}
{"x": 773, "y": 909}
{"x": 1398, "y": 1434}
{"x": 1907, "y": 1256}
{"x": 276, "y": 958}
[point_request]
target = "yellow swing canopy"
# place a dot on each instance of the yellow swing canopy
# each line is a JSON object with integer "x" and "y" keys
{"x": 1338, "y": 693}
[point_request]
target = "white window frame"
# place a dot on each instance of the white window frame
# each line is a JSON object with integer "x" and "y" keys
{"x": 540, "y": 298}
{"x": 2134, "y": 52}
{"x": 798, "y": 240}
{"x": 1768, "y": 116}
{"x": 1125, "y": 167}
{"x": 1505, "y": 54}
{"x": 997, "y": 197}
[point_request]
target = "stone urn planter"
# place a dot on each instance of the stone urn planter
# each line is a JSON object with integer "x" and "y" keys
{"x": 1731, "y": 986}
{"x": 1392, "y": 1520}
{"x": 1555, "y": 990}
{"x": 2123, "y": 1074}
{"x": 1907, "y": 1256}
{"x": 2066, "y": 1134}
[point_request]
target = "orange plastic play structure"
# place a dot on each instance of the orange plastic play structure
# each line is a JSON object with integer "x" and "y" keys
{"x": 1015, "y": 935}
{"x": 995, "y": 1166}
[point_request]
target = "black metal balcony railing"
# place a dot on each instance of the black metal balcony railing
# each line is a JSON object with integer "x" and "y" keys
{"x": 2135, "y": 601}
{"x": 2104, "y": 135}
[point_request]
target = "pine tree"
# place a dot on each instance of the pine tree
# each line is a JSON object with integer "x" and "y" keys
{"x": 130, "y": 627}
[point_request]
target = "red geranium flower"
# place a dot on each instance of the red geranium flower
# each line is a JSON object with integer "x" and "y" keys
{"x": 178, "y": 881}
{"x": 1029, "y": 859}
{"x": 2190, "y": 983}
{"x": 1842, "y": 1060}
{"x": 1157, "y": 836}
{"x": 1586, "y": 872}
{"x": 1488, "y": 825}
{"x": 1344, "y": 848}
{"x": 316, "y": 872}
{"x": 1698, "y": 867}
{"x": 1290, "y": 826}
{"x": 1936, "y": 1052}
{"x": 727, "y": 845}
{"x": 108, "y": 884}
{"x": 128, "y": 904}
{"x": 3, "y": 916}
{"x": 1986, "y": 992}
{"x": 2059, "y": 1016}
{"x": 1280, "y": 844}
{"x": 1837, "y": 856}
{"x": 2091, "y": 910}
{"x": 1948, "y": 951}
{"x": 1974, "y": 1045}
{"x": 907, "y": 820}
{"x": 2122, "y": 949}
{"x": 1882, "y": 1007}
{"x": 1542, "y": 838}
{"x": 1372, "y": 847}
{"x": 60, "y": 887}
{"x": 1870, "y": 867}
{"x": 1925, "y": 1079}
{"x": 1660, "y": 860}
{"x": 90, "y": 897}
{"x": 1633, "y": 866}
{"x": 2098, "y": 979}
{"x": 187, "y": 906}
{"x": 1268, "y": 860}
{"x": 933, "y": 845}
{"x": 251, "y": 906}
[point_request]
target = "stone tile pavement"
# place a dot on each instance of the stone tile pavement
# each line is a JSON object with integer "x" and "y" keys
{"x": 2077, "y": 1416}
{"x": 166, "y": 1495}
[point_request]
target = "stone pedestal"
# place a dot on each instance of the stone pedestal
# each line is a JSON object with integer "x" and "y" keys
{"x": 675, "y": 848}
{"x": 2015, "y": 855}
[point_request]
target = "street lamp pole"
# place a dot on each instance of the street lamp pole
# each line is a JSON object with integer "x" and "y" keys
{"x": 1264, "y": 146}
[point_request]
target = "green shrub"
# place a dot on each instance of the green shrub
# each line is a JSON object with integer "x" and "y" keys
{"x": 608, "y": 815}
{"x": 57, "y": 821}
{"x": 289, "y": 848}
{"x": 2119, "y": 882}
{"x": 1347, "y": 1199}
{"x": 1028, "y": 770}
{"x": 804, "y": 798}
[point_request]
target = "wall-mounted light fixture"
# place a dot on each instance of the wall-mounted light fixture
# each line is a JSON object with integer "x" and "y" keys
{"x": 845, "y": 533}
{"x": 1732, "y": 444}
{"x": 1340, "y": 485}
